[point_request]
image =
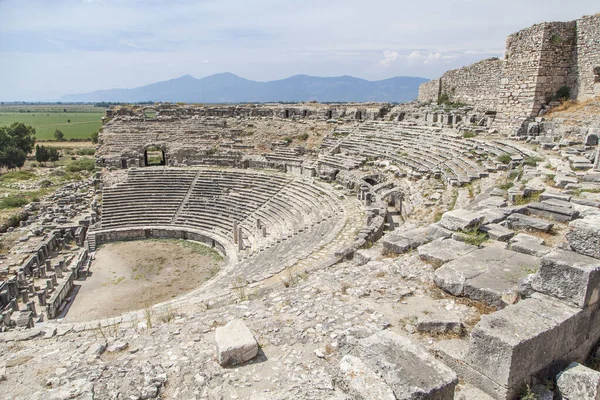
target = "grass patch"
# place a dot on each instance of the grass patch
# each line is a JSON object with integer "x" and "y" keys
{"x": 473, "y": 236}
{"x": 469, "y": 134}
{"x": 13, "y": 201}
{"x": 529, "y": 198}
{"x": 506, "y": 185}
{"x": 532, "y": 161}
{"x": 17, "y": 176}
{"x": 75, "y": 121}
{"x": 83, "y": 164}
{"x": 85, "y": 152}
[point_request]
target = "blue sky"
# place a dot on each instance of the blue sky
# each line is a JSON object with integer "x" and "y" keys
{"x": 53, "y": 47}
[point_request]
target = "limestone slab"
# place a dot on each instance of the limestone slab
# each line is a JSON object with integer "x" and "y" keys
{"x": 235, "y": 343}
{"x": 441, "y": 251}
{"x": 461, "y": 219}
{"x": 497, "y": 232}
{"x": 528, "y": 244}
{"x": 519, "y": 221}
{"x": 405, "y": 366}
{"x": 489, "y": 274}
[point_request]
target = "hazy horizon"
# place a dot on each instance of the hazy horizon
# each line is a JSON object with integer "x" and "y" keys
{"x": 51, "y": 49}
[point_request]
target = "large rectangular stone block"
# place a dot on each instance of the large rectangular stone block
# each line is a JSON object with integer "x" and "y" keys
{"x": 584, "y": 236}
{"x": 235, "y": 343}
{"x": 512, "y": 344}
{"x": 569, "y": 276}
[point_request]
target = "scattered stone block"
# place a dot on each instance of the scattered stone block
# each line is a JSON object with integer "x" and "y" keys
{"x": 235, "y": 343}
{"x": 554, "y": 195}
{"x": 401, "y": 242}
{"x": 584, "y": 236}
{"x": 519, "y": 221}
{"x": 569, "y": 276}
{"x": 441, "y": 251}
{"x": 497, "y": 232}
{"x": 117, "y": 346}
{"x": 556, "y": 210}
{"x": 363, "y": 256}
{"x": 528, "y": 244}
{"x": 578, "y": 382}
{"x": 461, "y": 219}
{"x": 436, "y": 231}
{"x": 404, "y": 366}
{"x": 562, "y": 181}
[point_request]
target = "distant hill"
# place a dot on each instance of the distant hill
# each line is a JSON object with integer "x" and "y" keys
{"x": 230, "y": 88}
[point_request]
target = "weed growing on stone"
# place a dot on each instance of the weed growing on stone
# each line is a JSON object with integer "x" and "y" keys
{"x": 148, "y": 313}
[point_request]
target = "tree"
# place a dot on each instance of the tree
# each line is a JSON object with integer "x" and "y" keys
{"x": 12, "y": 157}
{"x": 19, "y": 135}
{"x": 53, "y": 154}
{"x": 94, "y": 137}
{"x": 69, "y": 121}
{"x": 41, "y": 154}
{"x": 16, "y": 141}
{"x": 58, "y": 135}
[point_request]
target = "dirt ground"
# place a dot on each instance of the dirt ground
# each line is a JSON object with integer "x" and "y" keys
{"x": 128, "y": 276}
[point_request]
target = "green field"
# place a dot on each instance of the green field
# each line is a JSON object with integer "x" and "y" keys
{"x": 85, "y": 119}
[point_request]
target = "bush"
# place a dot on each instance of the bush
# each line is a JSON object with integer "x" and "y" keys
{"x": 469, "y": 134}
{"x": 288, "y": 139}
{"x": 59, "y": 136}
{"x": 83, "y": 164}
{"x": 94, "y": 137}
{"x": 85, "y": 152}
{"x": 532, "y": 161}
{"x": 443, "y": 99}
{"x": 504, "y": 158}
{"x": 303, "y": 136}
{"x": 13, "y": 201}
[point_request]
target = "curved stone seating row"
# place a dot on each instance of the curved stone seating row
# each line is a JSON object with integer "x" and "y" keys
{"x": 149, "y": 196}
{"x": 426, "y": 150}
{"x": 269, "y": 208}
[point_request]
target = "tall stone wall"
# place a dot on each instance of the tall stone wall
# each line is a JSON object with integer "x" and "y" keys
{"x": 429, "y": 91}
{"x": 584, "y": 79}
{"x": 536, "y": 64}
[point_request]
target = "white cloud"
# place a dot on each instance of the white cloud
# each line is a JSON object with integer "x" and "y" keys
{"x": 429, "y": 58}
{"x": 388, "y": 57}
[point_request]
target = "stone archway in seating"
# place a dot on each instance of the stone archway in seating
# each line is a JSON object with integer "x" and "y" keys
{"x": 155, "y": 155}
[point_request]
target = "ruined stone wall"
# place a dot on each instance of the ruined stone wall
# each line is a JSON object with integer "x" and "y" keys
{"x": 429, "y": 91}
{"x": 474, "y": 84}
{"x": 536, "y": 64}
{"x": 539, "y": 61}
{"x": 584, "y": 78}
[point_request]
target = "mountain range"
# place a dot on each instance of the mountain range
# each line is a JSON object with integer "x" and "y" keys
{"x": 230, "y": 88}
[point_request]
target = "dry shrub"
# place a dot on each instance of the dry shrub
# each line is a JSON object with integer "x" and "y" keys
{"x": 572, "y": 106}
